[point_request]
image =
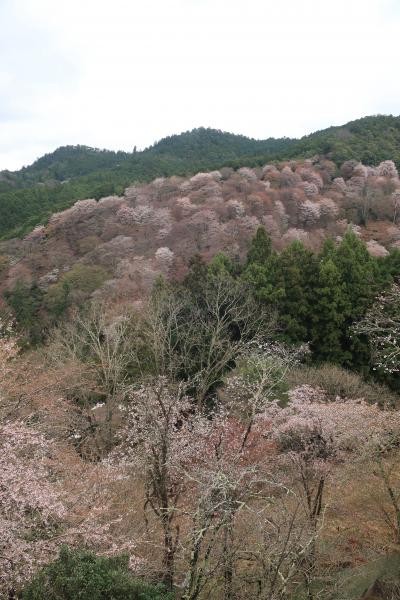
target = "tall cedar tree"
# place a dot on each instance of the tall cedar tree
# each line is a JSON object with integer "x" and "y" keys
{"x": 298, "y": 270}
{"x": 360, "y": 277}
{"x": 261, "y": 270}
{"x": 328, "y": 316}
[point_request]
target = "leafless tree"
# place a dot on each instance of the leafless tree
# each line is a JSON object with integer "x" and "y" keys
{"x": 200, "y": 337}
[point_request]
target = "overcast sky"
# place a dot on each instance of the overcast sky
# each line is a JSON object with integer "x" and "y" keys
{"x": 119, "y": 73}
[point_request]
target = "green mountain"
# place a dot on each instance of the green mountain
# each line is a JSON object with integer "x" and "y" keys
{"x": 55, "y": 181}
{"x": 369, "y": 140}
{"x": 215, "y": 145}
{"x": 186, "y": 150}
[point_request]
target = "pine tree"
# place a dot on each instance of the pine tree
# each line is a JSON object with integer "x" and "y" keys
{"x": 358, "y": 270}
{"x": 328, "y": 316}
{"x": 196, "y": 278}
{"x": 328, "y": 249}
{"x": 359, "y": 274}
{"x": 390, "y": 267}
{"x": 261, "y": 270}
{"x": 221, "y": 265}
{"x": 260, "y": 248}
{"x": 297, "y": 269}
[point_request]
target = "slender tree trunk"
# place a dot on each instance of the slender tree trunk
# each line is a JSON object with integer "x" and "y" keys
{"x": 228, "y": 558}
{"x": 169, "y": 558}
{"x": 197, "y": 574}
{"x": 393, "y": 499}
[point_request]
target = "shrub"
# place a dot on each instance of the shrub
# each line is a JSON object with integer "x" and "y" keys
{"x": 79, "y": 574}
{"x": 337, "y": 381}
{"x": 26, "y": 301}
{"x": 74, "y": 287}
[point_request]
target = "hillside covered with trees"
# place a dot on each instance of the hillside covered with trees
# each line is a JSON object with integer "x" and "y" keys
{"x": 187, "y": 447}
{"x": 55, "y": 181}
{"x": 199, "y": 374}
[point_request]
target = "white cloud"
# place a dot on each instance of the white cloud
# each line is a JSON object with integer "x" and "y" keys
{"x": 124, "y": 73}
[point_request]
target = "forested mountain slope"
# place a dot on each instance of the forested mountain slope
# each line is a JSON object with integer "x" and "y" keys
{"x": 55, "y": 181}
{"x": 191, "y": 150}
{"x": 205, "y": 348}
{"x": 116, "y": 247}
{"x": 369, "y": 140}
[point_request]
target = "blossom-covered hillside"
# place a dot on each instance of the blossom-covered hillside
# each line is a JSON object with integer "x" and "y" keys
{"x": 117, "y": 246}
{"x": 57, "y": 180}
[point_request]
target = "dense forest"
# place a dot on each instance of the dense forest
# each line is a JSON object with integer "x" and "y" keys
{"x": 199, "y": 374}
{"x": 209, "y": 442}
{"x": 55, "y": 181}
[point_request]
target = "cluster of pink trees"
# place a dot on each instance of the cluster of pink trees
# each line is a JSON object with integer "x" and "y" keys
{"x": 31, "y": 508}
{"x": 212, "y": 212}
{"x": 252, "y": 459}
{"x": 234, "y": 496}
{"x": 47, "y": 495}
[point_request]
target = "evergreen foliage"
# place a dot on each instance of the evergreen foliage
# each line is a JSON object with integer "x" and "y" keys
{"x": 319, "y": 297}
{"x": 27, "y": 302}
{"x": 327, "y": 314}
{"x": 369, "y": 140}
{"x": 36, "y": 311}
{"x": 296, "y": 267}
{"x": 81, "y": 574}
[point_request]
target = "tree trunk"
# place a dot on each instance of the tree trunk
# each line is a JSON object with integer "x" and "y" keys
{"x": 169, "y": 555}
{"x": 228, "y": 558}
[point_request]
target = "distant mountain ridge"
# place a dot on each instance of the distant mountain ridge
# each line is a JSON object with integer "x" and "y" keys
{"x": 56, "y": 180}
{"x": 201, "y": 144}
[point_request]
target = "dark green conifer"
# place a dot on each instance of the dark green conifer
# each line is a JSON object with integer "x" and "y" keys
{"x": 328, "y": 317}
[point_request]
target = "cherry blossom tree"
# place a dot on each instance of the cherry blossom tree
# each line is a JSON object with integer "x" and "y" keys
{"x": 225, "y": 482}
{"x": 328, "y": 209}
{"x": 258, "y": 379}
{"x": 135, "y": 216}
{"x": 340, "y": 184}
{"x": 376, "y": 249}
{"x": 234, "y": 473}
{"x": 248, "y": 174}
{"x": 164, "y": 258}
{"x": 311, "y": 176}
{"x": 155, "y": 441}
{"x": 310, "y": 189}
{"x": 78, "y": 212}
{"x": 396, "y": 205}
{"x": 43, "y": 505}
{"x": 381, "y": 325}
{"x": 315, "y": 438}
{"x": 309, "y": 213}
{"x": 360, "y": 171}
{"x": 37, "y": 235}
{"x": 31, "y": 508}
{"x": 387, "y": 168}
{"x": 289, "y": 178}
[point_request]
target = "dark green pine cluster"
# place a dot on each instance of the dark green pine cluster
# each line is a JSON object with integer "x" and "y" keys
{"x": 318, "y": 297}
